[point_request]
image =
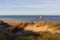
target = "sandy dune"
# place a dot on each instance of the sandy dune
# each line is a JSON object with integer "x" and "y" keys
{"x": 36, "y": 27}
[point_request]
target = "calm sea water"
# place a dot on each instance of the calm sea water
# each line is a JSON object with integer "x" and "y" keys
{"x": 30, "y": 18}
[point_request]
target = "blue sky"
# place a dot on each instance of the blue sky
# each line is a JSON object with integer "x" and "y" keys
{"x": 29, "y": 7}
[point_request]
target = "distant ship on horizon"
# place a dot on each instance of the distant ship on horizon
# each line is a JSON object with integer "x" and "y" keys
{"x": 40, "y": 17}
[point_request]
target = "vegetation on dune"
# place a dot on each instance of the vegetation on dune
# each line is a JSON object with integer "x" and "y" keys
{"x": 28, "y": 34}
{"x": 33, "y": 36}
{"x": 4, "y": 25}
{"x": 51, "y": 24}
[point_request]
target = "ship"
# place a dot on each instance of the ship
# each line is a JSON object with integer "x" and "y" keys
{"x": 40, "y": 17}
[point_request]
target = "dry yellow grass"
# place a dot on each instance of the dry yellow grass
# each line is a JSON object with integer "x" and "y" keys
{"x": 34, "y": 26}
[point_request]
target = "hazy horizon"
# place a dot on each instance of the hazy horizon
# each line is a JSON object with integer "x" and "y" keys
{"x": 29, "y": 7}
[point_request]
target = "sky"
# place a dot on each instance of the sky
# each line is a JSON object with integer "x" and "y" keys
{"x": 29, "y": 7}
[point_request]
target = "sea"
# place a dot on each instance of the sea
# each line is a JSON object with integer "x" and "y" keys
{"x": 31, "y": 17}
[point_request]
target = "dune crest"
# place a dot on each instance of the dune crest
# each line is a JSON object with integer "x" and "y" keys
{"x": 33, "y": 26}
